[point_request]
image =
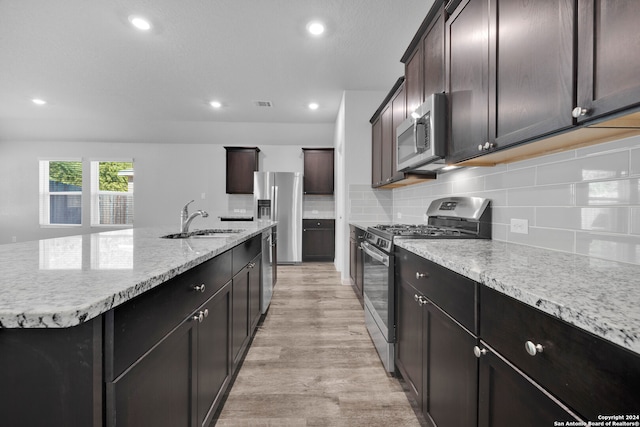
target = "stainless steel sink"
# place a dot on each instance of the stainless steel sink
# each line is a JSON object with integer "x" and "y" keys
{"x": 219, "y": 233}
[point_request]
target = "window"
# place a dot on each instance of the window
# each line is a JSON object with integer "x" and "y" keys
{"x": 111, "y": 193}
{"x": 60, "y": 192}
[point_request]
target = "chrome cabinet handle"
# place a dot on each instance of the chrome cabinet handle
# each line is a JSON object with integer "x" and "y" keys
{"x": 533, "y": 349}
{"x": 486, "y": 146}
{"x": 416, "y": 298}
{"x": 199, "y": 288}
{"x": 423, "y": 301}
{"x": 206, "y": 312}
{"x": 579, "y": 112}
{"x": 198, "y": 317}
{"x": 479, "y": 352}
{"x": 421, "y": 275}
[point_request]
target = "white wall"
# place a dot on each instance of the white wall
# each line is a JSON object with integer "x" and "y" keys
{"x": 166, "y": 177}
{"x": 353, "y": 161}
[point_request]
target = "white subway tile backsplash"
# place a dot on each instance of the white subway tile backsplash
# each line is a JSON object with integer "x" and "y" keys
{"x": 550, "y": 238}
{"x": 624, "y": 248}
{"x": 605, "y": 166}
{"x": 545, "y": 195}
{"x": 634, "y": 162}
{"x": 601, "y": 219}
{"x": 608, "y": 193}
{"x": 503, "y": 215}
{"x": 511, "y": 179}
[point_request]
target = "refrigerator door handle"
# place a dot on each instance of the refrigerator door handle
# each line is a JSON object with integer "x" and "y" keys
{"x": 274, "y": 204}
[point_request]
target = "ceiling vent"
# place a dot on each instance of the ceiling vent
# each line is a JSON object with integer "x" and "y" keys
{"x": 264, "y": 104}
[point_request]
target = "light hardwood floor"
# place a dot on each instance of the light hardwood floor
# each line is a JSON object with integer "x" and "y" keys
{"x": 312, "y": 362}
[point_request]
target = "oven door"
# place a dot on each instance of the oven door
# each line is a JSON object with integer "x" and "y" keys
{"x": 379, "y": 302}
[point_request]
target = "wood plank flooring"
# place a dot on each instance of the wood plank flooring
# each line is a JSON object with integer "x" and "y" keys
{"x": 312, "y": 362}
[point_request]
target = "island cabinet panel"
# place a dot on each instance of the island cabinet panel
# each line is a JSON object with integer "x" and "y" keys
{"x": 52, "y": 376}
{"x": 590, "y": 375}
{"x": 608, "y": 56}
{"x": 356, "y": 261}
{"x": 245, "y": 307}
{"x": 140, "y": 323}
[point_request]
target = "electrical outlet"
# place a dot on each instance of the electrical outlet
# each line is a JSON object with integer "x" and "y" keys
{"x": 520, "y": 226}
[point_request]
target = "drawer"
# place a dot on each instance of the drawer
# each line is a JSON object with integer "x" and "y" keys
{"x": 453, "y": 293}
{"x": 140, "y": 323}
{"x": 245, "y": 252}
{"x": 592, "y": 376}
{"x": 318, "y": 223}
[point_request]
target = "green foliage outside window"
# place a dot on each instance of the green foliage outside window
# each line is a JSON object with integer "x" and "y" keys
{"x": 69, "y": 173}
{"x": 109, "y": 178}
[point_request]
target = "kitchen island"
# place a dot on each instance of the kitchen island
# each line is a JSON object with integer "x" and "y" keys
{"x": 90, "y": 324}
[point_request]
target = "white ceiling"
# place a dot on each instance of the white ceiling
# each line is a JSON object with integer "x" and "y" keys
{"x": 104, "y": 80}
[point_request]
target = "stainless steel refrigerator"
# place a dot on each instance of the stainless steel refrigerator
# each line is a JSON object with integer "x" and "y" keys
{"x": 278, "y": 196}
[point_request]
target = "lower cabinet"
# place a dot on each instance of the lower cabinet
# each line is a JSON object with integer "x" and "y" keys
{"x": 434, "y": 356}
{"x": 180, "y": 379}
{"x": 318, "y": 239}
{"x": 356, "y": 261}
{"x": 508, "y": 398}
{"x": 512, "y": 365}
{"x": 246, "y": 306}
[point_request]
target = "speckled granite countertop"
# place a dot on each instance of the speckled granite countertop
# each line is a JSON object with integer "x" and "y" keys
{"x": 62, "y": 282}
{"x": 599, "y": 296}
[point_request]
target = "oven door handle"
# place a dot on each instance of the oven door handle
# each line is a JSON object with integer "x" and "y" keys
{"x": 375, "y": 254}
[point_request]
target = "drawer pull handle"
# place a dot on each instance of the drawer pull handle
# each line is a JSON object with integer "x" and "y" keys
{"x": 479, "y": 352}
{"x": 198, "y": 317}
{"x": 199, "y": 288}
{"x": 423, "y": 301}
{"x": 416, "y": 298}
{"x": 532, "y": 348}
{"x": 421, "y": 275}
{"x": 206, "y": 312}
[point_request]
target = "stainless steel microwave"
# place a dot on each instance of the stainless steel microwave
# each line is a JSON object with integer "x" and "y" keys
{"x": 421, "y": 138}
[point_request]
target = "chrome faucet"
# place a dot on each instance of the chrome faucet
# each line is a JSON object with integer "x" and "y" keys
{"x": 185, "y": 218}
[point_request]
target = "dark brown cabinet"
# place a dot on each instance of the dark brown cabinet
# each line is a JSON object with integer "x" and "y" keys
{"x": 318, "y": 170}
{"x": 242, "y": 162}
{"x": 356, "y": 261}
{"x": 384, "y": 122}
{"x": 467, "y": 71}
{"x": 608, "y": 57}
{"x": 506, "y": 395}
{"x": 434, "y": 351}
{"x": 318, "y": 239}
{"x": 531, "y": 51}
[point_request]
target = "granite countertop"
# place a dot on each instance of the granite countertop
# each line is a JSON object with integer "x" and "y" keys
{"x": 599, "y": 296}
{"x": 62, "y": 282}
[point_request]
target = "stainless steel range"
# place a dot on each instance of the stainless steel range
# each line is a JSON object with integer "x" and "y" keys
{"x": 448, "y": 218}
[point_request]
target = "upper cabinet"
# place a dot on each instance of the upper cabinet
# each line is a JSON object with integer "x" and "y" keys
{"x": 608, "y": 57}
{"x": 512, "y": 77}
{"x": 242, "y": 162}
{"x": 424, "y": 59}
{"x": 318, "y": 170}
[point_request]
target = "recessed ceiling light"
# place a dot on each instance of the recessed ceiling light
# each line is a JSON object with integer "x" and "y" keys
{"x": 313, "y": 106}
{"x": 140, "y": 22}
{"x": 215, "y": 104}
{"x": 38, "y": 101}
{"x": 315, "y": 28}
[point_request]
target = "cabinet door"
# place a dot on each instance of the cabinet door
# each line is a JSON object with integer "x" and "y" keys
{"x": 608, "y": 56}
{"x": 399, "y": 114}
{"x": 318, "y": 171}
{"x": 214, "y": 354}
{"x": 255, "y": 270}
{"x": 467, "y": 79}
{"x": 318, "y": 244}
{"x": 240, "y": 314}
{"x": 241, "y": 163}
{"x": 507, "y": 398}
{"x": 376, "y": 153}
{"x": 450, "y": 374}
{"x": 414, "y": 82}
{"x": 531, "y": 73}
{"x": 158, "y": 389}
{"x": 433, "y": 55}
{"x": 387, "y": 144}
{"x": 409, "y": 357}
